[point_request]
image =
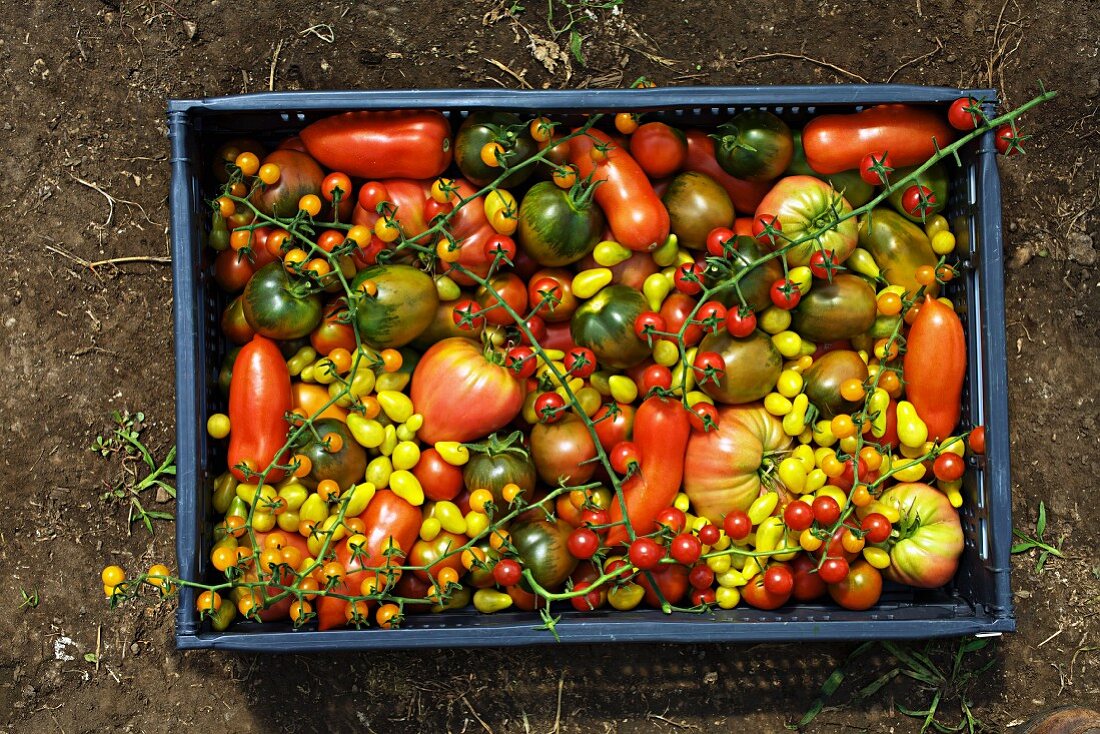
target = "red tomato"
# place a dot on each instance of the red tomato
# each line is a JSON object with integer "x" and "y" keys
{"x": 935, "y": 367}
{"x": 757, "y": 595}
{"x": 835, "y": 143}
{"x": 860, "y": 589}
{"x": 506, "y": 287}
{"x": 612, "y": 430}
{"x": 807, "y": 583}
{"x": 740, "y": 322}
{"x": 1007, "y": 140}
{"x": 259, "y": 397}
{"x": 553, "y": 287}
{"x": 833, "y": 570}
{"x": 949, "y": 467}
{"x": 965, "y": 114}
{"x": 675, "y": 310}
{"x": 332, "y": 333}
{"x": 637, "y": 216}
{"x": 672, "y": 581}
{"x": 440, "y": 480}
{"x": 461, "y": 394}
{"x": 389, "y": 144}
{"x": 659, "y": 149}
{"x": 870, "y": 165}
{"x": 232, "y": 273}
{"x": 778, "y": 579}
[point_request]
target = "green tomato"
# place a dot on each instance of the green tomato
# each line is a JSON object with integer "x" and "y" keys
{"x": 557, "y": 227}
{"x": 605, "y": 324}
{"x": 505, "y": 128}
{"x": 754, "y": 145}
{"x": 403, "y": 308}
{"x": 278, "y": 308}
{"x": 345, "y": 466}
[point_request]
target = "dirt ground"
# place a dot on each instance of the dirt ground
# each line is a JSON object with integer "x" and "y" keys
{"x": 85, "y": 178}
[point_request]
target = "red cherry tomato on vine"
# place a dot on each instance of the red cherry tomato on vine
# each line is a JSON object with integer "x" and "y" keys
{"x": 507, "y": 572}
{"x": 870, "y": 165}
{"x": 645, "y": 553}
{"x": 719, "y": 239}
{"x": 798, "y": 516}
{"x": 465, "y": 315}
{"x": 703, "y": 417}
{"x": 624, "y": 457}
{"x": 709, "y": 534}
{"x": 740, "y": 322}
{"x": 656, "y": 376}
{"x": 976, "y": 440}
{"x": 760, "y": 226}
{"x": 948, "y": 467}
{"x": 712, "y": 315}
{"x": 960, "y": 117}
{"x": 834, "y": 570}
{"x": 546, "y": 291}
{"x": 1007, "y": 140}
{"x": 594, "y": 599}
{"x": 502, "y": 245}
{"x": 537, "y": 327}
{"x": 580, "y": 361}
{"x": 918, "y": 201}
{"x": 701, "y": 576}
{"x": 826, "y": 511}
{"x": 371, "y": 194}
{"x": 686, "y": 549}
{"x": 583, "y": 543}
{"x": 689, "y": 278}
{"x": 778, "y": 579}
{"x": 672, "y": 518}
{"x": 590, "y": 516}
{"x": 818, "y": 268}
{"x": 876, "y": 527}
{"x": 702, "y": 597}
{"x": 737, "y": 525}
{"x": 785, "y": 294}
{"x": 648, "y": 321}
{"x": 521, "y": 361}
{"x": 549, "y": 407}
{"x": 709, "y": 367}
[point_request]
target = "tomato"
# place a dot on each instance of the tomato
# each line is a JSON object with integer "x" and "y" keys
{"x": 918, "y": 201}
{"x": 661, "y": 432}
{"x": 345, "y": 466}
{"x": 605, "y": 324}
{"x": 899, "y": 247}
{"x": 259, "y": 397}
{"x": 754, "y": 145}
{"x": 949, "y": 467}
{"x": 553, "y": 289}
{"x": 672, "y": 582}
{"x": 753, "y": 365}
{"x": 659, "y": 149}
{"x": 860, "y": 589}
{"x": 838, "y": 142}
{"x": 740, "y": 322}
{"x": 936, "y": 181}
{"x": 612, "y": 430}
{"x": 277, "y": 306}
{"x": 558, "y": 227}
{"x": 637, "y": 217}
{"x": 926, "y": 553}
{"x": 311, "y": 397}
{"x": 484, "y": 128}
{"x": 808, "y": 585}
{"x": 977, "y": 440}
{"x": 645, "y": 553}
{"x": 383, "y": 144}
{"x": 935, "y": 367}
{"x": 798, "y": 516}
{"x": 439, "y": 479}
{"x": 745, "y": 195}
{"x": 1007, "y": 140}
{"x": 709, "y": 367}
{"x": 675, "y": 310}
{"x": 502, "y": 463}
{"x": 686, "y": 548}
{"x": 836, "y": 310}
{"x": 965, "y": 114}
{"x": 756, "y": 594}
{"x": 461, "y": 394}
{"x": 785, "y": 294}
{"x": 332, "y": 332}
{"x": 234, "y": 325}
{"x": 406, "y": 205}
{"x": 542, "y": 546}
{"x": 833, "y": 570}
{"x": 583, "y": 543}
{"x": 299, "y": 175}
{"x": 701, "y": 576}
{"x": 874, "y": 167}
{"x": 778, "y": 579}
{"x": 506, "y": 287}
{"x": 826, "y": 375}
{"x": 877, "y": 527}
{"x": 696, "y": 205}
{"x": 550, "y": 407}
{"x": 723, "y": 467}
{"x": 656, "y": 376}
{"x": 402, "y": 309}
{"x": 226, "y": 156}
{"x": 437, "y": 554}
{"x": 805, "y": 205}
{"x": 823, "y": 265}
{"x": 689, "y": 278}
{"x": 720, "y": 240}
{"x": 563, "y": 451}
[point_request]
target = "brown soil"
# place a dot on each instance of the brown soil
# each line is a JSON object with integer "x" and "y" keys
{"x": 86, "y": 102}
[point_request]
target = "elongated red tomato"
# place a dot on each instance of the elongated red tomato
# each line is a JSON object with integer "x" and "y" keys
{"x": 836, "y": 143}
{"x": 745, "y": 195}
{"x": 661, "y": 432}
{"x": 259, "y": 397}
{"x": 638, "y": 218}
{"x": 387, "y": 516}
{"x": 390, "y": 144}
{"x": 461, "y": 394}
{"x": 935, "y": 366}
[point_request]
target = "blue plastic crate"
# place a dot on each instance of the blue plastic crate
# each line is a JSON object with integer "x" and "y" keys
{"x": 978, "y": 601}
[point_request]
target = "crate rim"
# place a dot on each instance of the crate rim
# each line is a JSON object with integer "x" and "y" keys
{"x": 984, "y": 619}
